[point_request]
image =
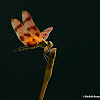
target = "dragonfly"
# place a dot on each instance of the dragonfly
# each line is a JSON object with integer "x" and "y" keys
{"x": 29, "y": 34}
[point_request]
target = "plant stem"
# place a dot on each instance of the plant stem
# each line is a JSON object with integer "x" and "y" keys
{"x": 48, "y": 72}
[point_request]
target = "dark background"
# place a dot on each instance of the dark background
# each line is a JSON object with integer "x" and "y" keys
{"x": 76, "y": 36}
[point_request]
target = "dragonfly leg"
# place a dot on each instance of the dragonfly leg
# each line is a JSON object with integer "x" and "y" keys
{"x": 45, "y": 56}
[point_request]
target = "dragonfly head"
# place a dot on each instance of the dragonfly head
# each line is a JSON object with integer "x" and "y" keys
{"x": 50, "y": 44}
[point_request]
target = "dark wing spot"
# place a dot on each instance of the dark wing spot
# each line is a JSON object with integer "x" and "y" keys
{"x": 15, "y": 29}
{"x": 45, "y": 34}
{"x": 20, "y": 25}
{"x": 34, "y": 27}
{"x": 22, "y": 38}
{"x": 27, "y": 19}
{"x": 30, "y": 45}
{"x": 37, "y": 34}
{"x": 28, "y": 28}
{"x": 27, "y": 34}
{"x": 33, "y": 39}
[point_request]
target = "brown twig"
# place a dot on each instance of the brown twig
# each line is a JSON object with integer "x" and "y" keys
{"x": 48, "y": 72}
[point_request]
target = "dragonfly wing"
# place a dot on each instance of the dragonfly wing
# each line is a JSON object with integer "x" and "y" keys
{"x": 30, "y": 25}
{"x": 23, "y": 34}
{"x": 46, "y": 33}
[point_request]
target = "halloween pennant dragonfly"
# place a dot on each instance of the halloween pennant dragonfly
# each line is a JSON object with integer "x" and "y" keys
{"x": 30, "y": 35}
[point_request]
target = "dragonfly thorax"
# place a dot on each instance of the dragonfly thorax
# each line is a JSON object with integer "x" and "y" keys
{"x": 43, "y": 44}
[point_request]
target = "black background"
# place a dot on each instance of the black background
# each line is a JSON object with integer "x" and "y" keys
{"x": 76, "y": 36}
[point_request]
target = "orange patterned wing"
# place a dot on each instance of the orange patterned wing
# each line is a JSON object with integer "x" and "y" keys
{"x": 23, "y": 34}
{"x": 30, "y": 25}
{"x": 46, "y": 33}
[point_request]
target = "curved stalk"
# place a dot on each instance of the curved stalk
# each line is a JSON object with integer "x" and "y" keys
{"x": 48, "y": 72}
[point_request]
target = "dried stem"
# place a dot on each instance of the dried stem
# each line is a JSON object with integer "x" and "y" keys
{"x": 48, "y": 72}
